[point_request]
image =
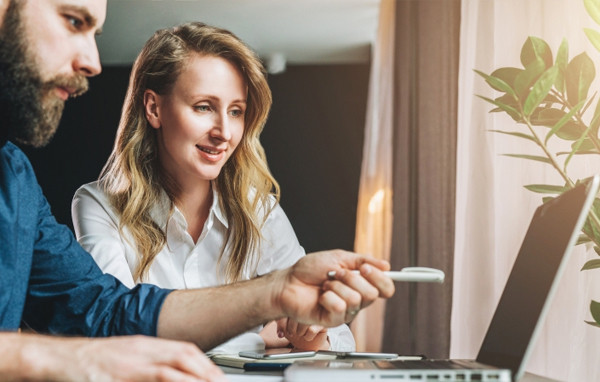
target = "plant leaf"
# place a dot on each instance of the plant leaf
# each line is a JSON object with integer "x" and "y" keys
{"x": 593, "y": 36}
{"x": 530, "y": 157}
{"x": 582, "y": 239}
{"x": 540, "y": 90}
{"x": 595, "y": 310}
{"x": 533, "y": 48}
{"x": 593, "y": 9}
{"x": 498, "y": 84}
{"x": 579, "y": 76}
{"x": 546, "y": 116}
{"x": 592, "y": 264}
{"x": 545, "y": 188}
{"x": 593, "y": 323}
{"x": 507, "y": 74}
{"x": 567, "y": 117}
{"x": 527, "y": 77}
{"x": 579, "y": 152}
{"x": 576, "y": 146}
{"x": 509, "y": 109}
{"x": 562, "y": 59}
{"x": 586, "y": 146}
{"x": 596, "y": 119}
{"x": 516, "y": 134}
{"x": 571, "y": 131}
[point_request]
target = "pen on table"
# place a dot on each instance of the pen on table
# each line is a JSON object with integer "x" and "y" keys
{"x": 415, "y": 274}
{"x": 265, "y": 366}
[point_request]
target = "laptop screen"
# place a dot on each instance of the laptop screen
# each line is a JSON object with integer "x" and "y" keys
{"x": 530, "y": 282}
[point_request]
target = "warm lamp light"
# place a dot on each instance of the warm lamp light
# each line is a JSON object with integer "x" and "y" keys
{"x": 376, "y": 202}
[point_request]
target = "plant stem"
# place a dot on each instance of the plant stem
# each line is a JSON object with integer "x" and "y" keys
{"x": 548, "y": 154}
{"x": 578, "y": 116}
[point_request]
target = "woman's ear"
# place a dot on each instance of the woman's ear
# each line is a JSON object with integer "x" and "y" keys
{"x": 151, "y": 108}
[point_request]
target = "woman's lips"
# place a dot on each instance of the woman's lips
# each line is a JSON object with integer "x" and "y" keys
{"x": 210, "y": 154}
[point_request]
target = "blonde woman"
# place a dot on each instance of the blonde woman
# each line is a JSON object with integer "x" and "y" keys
{"x": 186, "y": 199}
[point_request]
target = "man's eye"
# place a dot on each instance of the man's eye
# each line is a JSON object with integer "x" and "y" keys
{"x": 75, "y": 22}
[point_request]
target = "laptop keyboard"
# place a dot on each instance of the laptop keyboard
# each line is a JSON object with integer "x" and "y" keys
{"x": 425, "y": 364}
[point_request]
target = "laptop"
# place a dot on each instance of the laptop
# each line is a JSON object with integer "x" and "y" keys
{"x": 512, "y": 332}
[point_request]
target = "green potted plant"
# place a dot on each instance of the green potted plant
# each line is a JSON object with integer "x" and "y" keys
{"x": 550, "y": 98}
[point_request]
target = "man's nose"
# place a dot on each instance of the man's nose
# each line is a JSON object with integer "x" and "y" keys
{"x": 87, "y": 61}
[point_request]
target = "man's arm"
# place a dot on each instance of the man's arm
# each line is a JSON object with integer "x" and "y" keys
{"x": 210, "y": 316}
{"x": 33, "y": 357}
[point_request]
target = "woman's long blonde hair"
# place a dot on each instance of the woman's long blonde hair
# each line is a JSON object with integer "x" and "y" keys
{"x": 132, "y": 176}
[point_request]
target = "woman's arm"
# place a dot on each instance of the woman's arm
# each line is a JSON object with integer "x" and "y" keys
{"x": 97, "y": 230}
{"x": 281, "y": 249}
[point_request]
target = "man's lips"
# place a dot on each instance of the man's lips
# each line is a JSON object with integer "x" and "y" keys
{"x": 62, "y": 93}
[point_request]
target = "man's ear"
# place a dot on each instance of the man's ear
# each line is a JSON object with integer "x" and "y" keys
{"x": 151, "y": 108}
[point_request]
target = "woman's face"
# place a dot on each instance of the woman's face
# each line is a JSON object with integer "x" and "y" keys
{"x": 201, "y": 121}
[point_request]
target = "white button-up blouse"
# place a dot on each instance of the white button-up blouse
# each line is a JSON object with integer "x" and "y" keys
{"x": 183, "y": 264}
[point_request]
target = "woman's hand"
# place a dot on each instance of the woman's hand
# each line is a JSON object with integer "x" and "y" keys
{"x": 270, "y": 335}
{"x": 301, "y": 336}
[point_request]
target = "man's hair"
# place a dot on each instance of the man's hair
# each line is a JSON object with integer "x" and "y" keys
{"x": 20, "y": 106}
{"x": 132, "y": 177}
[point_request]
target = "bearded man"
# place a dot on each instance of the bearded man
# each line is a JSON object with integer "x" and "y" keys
{"x": 49, "y": 284}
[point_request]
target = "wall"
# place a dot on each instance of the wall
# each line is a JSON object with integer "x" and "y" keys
{"x": 313, "y": 141}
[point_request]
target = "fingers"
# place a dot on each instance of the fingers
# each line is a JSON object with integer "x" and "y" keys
{"x": 306, "y": 337}
{"x": 281, "y": 327}
{"x": 378, "y": 279}
{"x": 356, "y": 291}
{"x": 165, "y": 373}
{"x": 139, "y": 358}
{"x": 273, "y": 334}
{"x": 312, "y": 331}
{"x": 350, "y": 260}
{"x": 192, "y": 361}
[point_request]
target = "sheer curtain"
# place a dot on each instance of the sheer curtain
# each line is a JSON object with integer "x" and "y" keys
{"x": 374, "y": 212}
{"x": 492, "y": 207}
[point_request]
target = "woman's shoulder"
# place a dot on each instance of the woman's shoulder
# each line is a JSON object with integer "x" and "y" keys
{"x": 92, "y": 189}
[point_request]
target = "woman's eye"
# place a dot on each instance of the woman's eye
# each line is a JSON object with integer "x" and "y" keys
{"x": 237, "y": 113}
{"x": 202, "y": 107}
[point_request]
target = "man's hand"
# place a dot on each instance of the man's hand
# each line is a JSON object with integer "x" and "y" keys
{"x": 132, "y": 358}
{"x": 305, "y": 293}
{"x": 303, "y": 337}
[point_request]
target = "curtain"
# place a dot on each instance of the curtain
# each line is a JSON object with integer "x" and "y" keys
{"x": 493, "y": 209}
{"x": 417, "y": 318}
{"x": 374, "y": 212}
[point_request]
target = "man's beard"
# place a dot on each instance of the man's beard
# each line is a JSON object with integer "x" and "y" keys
{"x": 30, "y": 110}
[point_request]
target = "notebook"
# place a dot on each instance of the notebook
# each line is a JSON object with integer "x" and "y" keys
{"x": 512, "y": 332}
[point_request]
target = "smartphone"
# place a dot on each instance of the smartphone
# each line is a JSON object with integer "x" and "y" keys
{"x": 276, "y": 353}
{"x": 355, "y": 354}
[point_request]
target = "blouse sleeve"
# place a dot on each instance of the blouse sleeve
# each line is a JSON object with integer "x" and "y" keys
{"x": 280, "y": 249}
{"x": 97, "y": 230}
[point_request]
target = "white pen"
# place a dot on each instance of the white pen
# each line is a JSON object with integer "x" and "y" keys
{"x": 410, "y": 274}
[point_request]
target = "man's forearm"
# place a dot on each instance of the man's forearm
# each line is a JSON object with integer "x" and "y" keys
{"x": 211, "y": 316}
{"x": 32, "y": 357}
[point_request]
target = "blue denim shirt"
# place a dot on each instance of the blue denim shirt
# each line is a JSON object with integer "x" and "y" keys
{"x": 47, "y": 281}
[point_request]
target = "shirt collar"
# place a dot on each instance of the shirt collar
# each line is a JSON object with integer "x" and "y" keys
{"x": 160, "y": 211}
{"x": 216, "y": 208}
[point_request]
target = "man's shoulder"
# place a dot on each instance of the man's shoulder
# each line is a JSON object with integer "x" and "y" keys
{"x": 11, "y": 153}
{"x": 15, "y": 164}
